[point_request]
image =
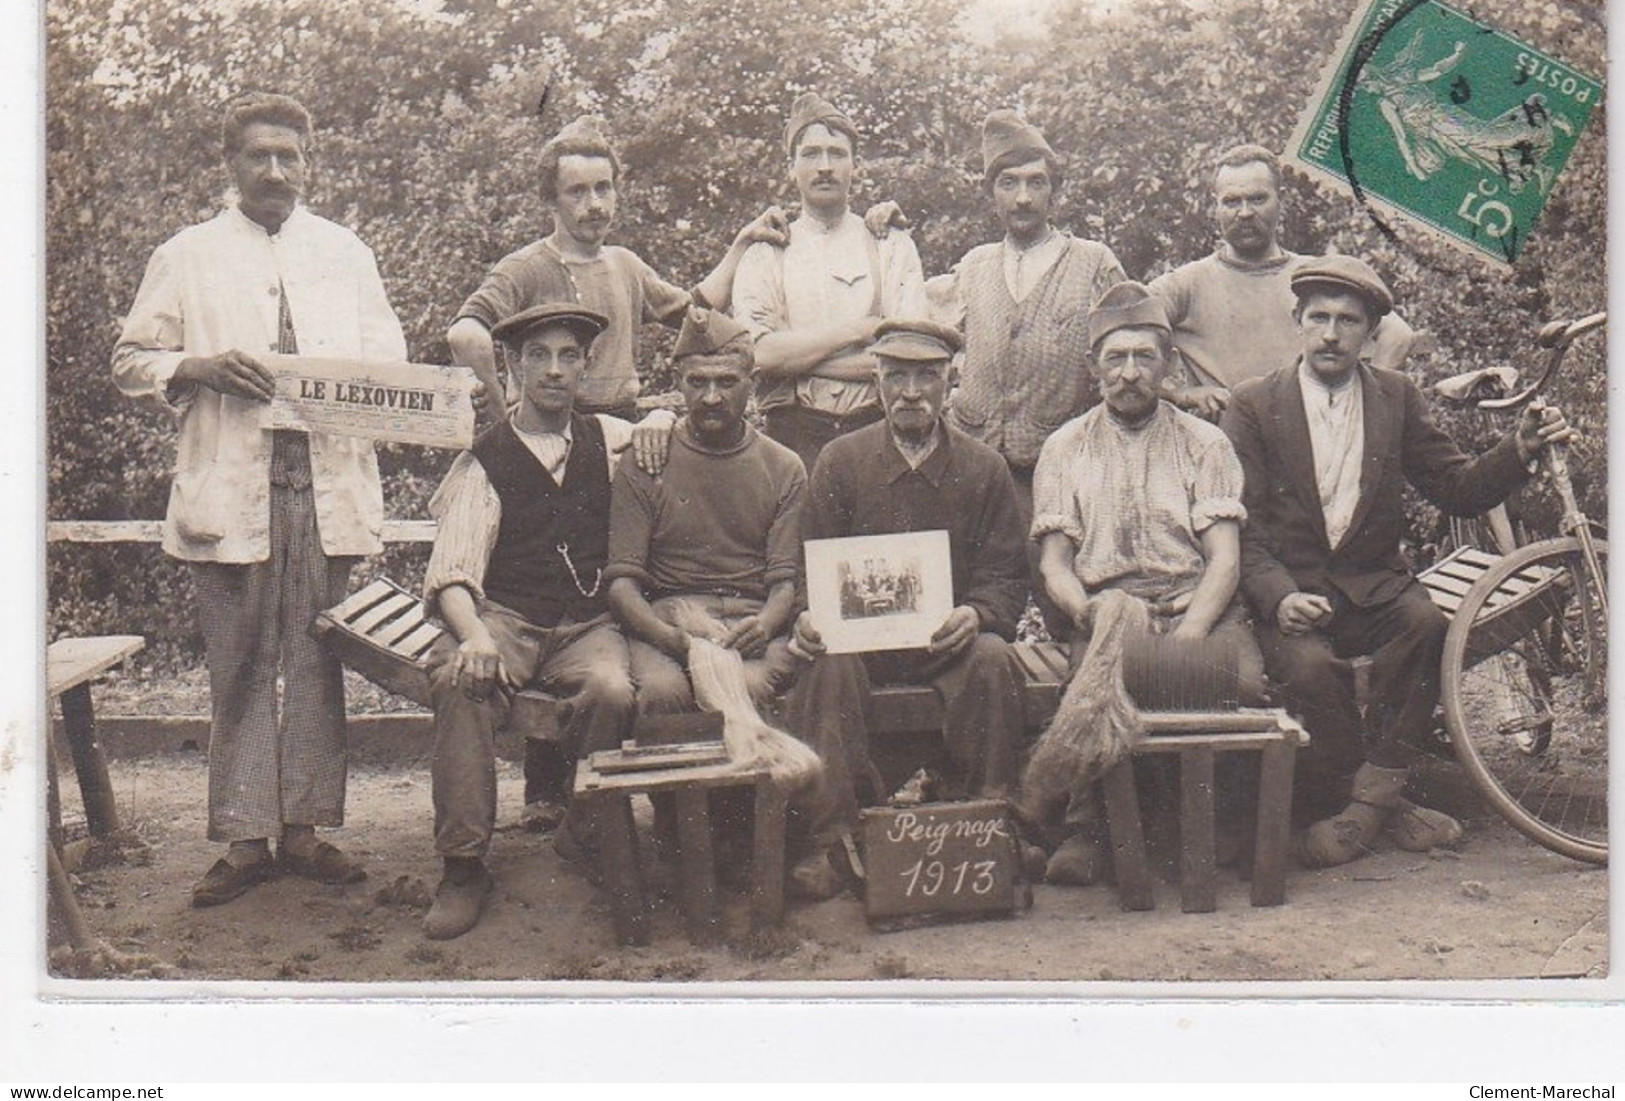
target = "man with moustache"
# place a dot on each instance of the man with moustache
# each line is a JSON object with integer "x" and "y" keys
{"x": 271, "y": 522}
{"x": 516, "y": 574}
{"x": 1023, "y": 305}
{"x": 1232, "y": 310}
{"x": 719, "y": 530}
{"x": 1327, "y": 445}
{"x": 813, "y": 305}
{"x": 1139, "y": 497}
{"x": 913, "y": 472}
{"x": 579, "y": 176}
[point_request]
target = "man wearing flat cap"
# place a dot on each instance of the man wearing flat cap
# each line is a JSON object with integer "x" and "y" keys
{"x": 913, "y": 472}
{"x": 1232, "y": 309}
{"x": 813, "y": 305}
{"x": 718, "y": 533}
{"x": 579, "y": 176}
{"x": 1139, "y": 497}
{"x": 1327, "y": 446}
{"x": 517, "y": 573}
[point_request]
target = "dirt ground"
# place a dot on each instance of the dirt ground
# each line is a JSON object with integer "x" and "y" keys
{"x": 1500, "y": 908}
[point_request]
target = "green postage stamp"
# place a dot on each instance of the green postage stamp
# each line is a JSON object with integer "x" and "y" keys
{"x": 1426, "y": 112}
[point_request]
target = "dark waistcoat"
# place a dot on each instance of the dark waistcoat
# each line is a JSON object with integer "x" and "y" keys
{"x": 528, "y": 570}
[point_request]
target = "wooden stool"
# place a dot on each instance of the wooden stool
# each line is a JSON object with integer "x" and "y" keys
{"x": 608, "y": 798}
{"x": 1197, "y": 738}
{"x": 70, "y": 665}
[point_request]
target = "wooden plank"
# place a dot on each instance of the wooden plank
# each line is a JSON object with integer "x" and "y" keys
{"x": 152, "y": 531}
{"x": 1055, "y": 655}
{"x": 390, "y": 606}
{"x": 360, "y": 600}
{"x": 416, "y": 644}
{"x": 1198, "y": 868}
{"x": 1444, "y": 582}
{"x": 1244, "y": 719}
{"x": 70, "y": 662}
{"x": 1227, "y": 741}
{"x": 394, "y": 631}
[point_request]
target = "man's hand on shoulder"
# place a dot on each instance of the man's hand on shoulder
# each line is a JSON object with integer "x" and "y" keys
{"x": 651, "y": 440}
{"x": 1207, "y": 402}
{"x": 771, "y": 226}
{"x": 884, "y": 217}
{"x": 1541, "y": 426}
{"x": 236, "y": 373}
{"x": 957, "y": 631}
{"x": 1299, "y": 613}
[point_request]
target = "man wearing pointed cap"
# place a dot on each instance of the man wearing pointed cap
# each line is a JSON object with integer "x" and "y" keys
{"x": 1232, "y": 310}
{"x": 914, "y": 472}
{"x": 719, "y": 531}
{"x": 1139, "y": 497}
{"x": 269, "y": 521}
{"x": 813, "y": 305}
{"x": 517, "y": 573}
{"x": 1327, "y": 445}
{"x": 1022, "y": 304}
{"x": 579, "y": 176}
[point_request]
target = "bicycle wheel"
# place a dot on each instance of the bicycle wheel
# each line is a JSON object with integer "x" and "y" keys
{"x": 1524, "y": 689}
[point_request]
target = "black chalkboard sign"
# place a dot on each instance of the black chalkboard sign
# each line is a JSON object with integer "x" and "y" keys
{"x": 941, "y": 861}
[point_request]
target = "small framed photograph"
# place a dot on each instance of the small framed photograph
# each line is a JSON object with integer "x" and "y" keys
{"x": 879, "y": 592}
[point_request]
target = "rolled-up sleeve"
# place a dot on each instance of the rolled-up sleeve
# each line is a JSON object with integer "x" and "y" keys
{"x": 1216, "y": 494}
{"x": 758, "y": 292}
{"x": 469, "y": 514}
{"x": 1054, "y": 504}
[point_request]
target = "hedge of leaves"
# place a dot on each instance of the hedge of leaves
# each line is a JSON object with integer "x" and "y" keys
{"x": 429, "y": 126}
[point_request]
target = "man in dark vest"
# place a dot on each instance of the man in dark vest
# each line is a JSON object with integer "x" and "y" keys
{"x": 517, "y": 574}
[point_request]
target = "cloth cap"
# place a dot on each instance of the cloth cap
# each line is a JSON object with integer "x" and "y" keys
{"x": 810, "y": 107}
{"x": 586, "y": 324}
{"x": 583, "y": 130}
{"x": 1128, "y": 305}
{"x": 1347, "y": 274}
{"x": 707, "y": 332}
{"x": 915, "y": 339}
{"x": 1009, "y": 139}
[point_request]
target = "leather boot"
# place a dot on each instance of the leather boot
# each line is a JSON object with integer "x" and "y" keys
{"x": 1349, "y": 833}
{"x": 1418, "y": 829}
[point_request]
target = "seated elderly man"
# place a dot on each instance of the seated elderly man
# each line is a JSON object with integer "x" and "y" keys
{"x": 718, "y": 533}
{"x": 523, "y": 536}
{"x": 912, "y": 472}
{"x": 1139, "y": 497}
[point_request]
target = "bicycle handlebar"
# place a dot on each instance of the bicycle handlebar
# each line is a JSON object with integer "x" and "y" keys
{"x": 1556, "y": 336}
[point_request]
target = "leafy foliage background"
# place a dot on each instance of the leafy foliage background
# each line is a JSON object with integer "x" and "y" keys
{"x": 428, "y": 131}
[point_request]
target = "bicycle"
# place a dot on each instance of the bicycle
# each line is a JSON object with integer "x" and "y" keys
{"x": 1524, "y": 674}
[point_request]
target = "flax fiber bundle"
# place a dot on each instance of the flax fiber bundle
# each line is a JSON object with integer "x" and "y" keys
{"x": 1097, "y": 723}
{"x": 718, "y": 675}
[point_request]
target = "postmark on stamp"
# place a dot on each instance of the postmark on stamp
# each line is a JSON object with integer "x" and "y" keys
{"x": 1430, "y": 115}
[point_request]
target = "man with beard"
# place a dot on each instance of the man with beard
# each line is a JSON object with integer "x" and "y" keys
{"x": 913, "y": 472}
{"x": 270, "y": 521}
{"x": 813, "y": 305}
{"x": 1139, "y": 497}
{"x": 1232, "y": 311}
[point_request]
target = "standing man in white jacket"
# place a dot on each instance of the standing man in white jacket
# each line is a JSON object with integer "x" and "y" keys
{"x": 272, "y": 521}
